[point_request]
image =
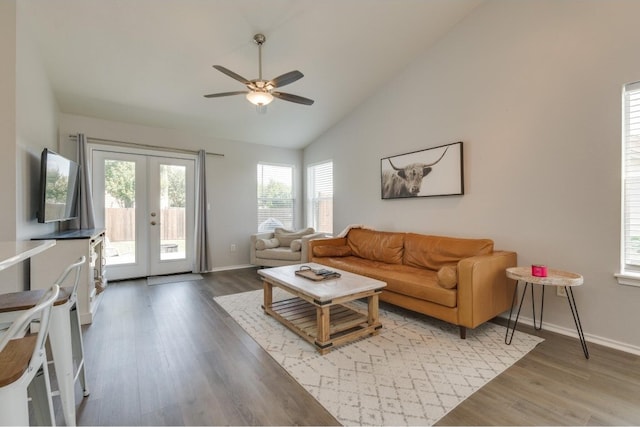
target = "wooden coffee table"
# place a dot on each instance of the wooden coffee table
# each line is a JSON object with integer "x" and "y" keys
{"x": 316, "y": 311}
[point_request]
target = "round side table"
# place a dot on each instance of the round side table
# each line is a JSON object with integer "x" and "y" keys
{"x": 556, "y": 278}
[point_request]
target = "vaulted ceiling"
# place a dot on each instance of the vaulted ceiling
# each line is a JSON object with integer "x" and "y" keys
{"x": 150, "y": 61}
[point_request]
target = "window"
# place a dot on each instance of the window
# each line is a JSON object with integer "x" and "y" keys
{"x": 630, "y": 263}
{"x": 320, "y": 197}
{"x": 275, "y": 197}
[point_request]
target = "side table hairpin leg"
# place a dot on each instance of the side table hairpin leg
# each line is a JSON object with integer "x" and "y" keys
{"x": 508, "y": 338}
{"x": 533, "y": 308}
{"x": 555, "y": 278}
{"x": 537, "y": 326}
{"x": 576, "y": 319}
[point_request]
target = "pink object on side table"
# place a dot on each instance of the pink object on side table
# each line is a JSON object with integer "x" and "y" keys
{"x": 539, "y": 270}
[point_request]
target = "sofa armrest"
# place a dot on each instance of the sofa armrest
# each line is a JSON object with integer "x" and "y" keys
{"x": 252, "y": 245}
{"x": 304, "y": 256}
{"x": 308, "y": 237}
{"x": 484, "y": 291}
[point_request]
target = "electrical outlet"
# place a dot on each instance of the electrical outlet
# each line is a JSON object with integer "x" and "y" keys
{"x": 232, "y": 248}
{"x": 561, "y": 291}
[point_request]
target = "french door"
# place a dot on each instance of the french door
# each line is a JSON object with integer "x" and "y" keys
{"x": 146, "y": 203}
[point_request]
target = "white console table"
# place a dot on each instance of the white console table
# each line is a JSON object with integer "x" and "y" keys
{"x": 69, "y": 246}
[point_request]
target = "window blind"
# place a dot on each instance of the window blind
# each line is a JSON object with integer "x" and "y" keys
{"x": 320, "y": 197}
{"x": 631, "y": 176}
{"x": 275, "y": 197}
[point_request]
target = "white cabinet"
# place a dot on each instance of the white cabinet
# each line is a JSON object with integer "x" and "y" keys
{"x": 47, "y": 266}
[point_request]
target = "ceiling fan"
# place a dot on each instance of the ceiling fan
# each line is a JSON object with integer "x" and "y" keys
{"x": 261, "y": 92}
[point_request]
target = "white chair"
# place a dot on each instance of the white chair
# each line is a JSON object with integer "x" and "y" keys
{"x": 23, "y": 367}
{"x": 65, "y": 339}
{"x": 65, "y": 334}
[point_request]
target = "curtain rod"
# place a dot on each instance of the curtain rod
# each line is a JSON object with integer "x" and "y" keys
{"x": 154, "y": 147}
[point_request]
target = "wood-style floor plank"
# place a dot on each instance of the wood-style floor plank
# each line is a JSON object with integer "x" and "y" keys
{"x": 555, "y": 385}
{"x": 170, "y": 355}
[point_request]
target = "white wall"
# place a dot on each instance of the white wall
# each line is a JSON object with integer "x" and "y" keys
{"x": 36, "y": 128}
{"x": 231, "y": 180}
{"x": 28, "y": 122}
{"x": 533, "y": 88}
{"x": 8, "y": 118}
{"x": 10, "y": 279}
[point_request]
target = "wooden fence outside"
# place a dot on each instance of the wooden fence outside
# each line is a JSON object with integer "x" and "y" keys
{"x": 120, "y": 224}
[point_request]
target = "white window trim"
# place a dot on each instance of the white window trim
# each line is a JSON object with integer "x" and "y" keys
{"x": 628, "y": 279}
{"x": 294, "y": 207}
{"x": 310, "y": 197}
{"x": 629, "y": 275}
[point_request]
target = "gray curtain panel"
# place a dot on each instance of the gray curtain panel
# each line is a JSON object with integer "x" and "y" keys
{"x": 86, "y": 217}
{"x": 203, "y": 262}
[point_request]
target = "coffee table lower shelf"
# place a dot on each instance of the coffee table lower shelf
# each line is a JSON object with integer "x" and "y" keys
{"x": 305, "y": 319}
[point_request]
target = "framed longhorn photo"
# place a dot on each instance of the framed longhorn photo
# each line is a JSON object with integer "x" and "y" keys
{"x": 430, "y": 172}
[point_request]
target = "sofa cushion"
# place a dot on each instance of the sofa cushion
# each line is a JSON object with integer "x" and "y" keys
{"x": 285, "y": 237}
{"x": 418, "y": 283}
{"x": 296, "y": 245}
{"x": 262, "y": 244}
{"x": 353, "y": 264}
{"x": 448, "y": 276}
{"x": 434, "y": 252}
{"x": 414, "y": 282}
{"x": 279, "y": 253}
{"x": 330, "y": 250}
{"x": 376, "y": 245}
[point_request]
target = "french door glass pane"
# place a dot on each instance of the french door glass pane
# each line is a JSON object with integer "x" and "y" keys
{"x": 173, "y": 195}
{"x": 119, "y": 203}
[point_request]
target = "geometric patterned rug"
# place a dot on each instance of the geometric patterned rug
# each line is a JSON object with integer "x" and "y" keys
{"x": 412, "y": 373}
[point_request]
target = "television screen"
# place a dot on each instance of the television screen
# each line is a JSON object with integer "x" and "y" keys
{"x": 58, "y": 187}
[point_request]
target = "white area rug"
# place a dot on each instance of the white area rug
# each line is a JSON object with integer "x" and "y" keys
{"x": 173, "y": 278}
{"x": 414, "y": 372}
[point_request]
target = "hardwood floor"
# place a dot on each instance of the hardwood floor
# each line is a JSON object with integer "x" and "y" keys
{"x": 169, "y": 355}
{"x": 555, "y": 385}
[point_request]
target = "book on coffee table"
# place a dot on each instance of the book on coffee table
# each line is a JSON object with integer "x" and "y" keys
{"x": 316, "y": 274}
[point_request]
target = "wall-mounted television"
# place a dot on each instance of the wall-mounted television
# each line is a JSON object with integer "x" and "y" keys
{"x": 58, "y": 187}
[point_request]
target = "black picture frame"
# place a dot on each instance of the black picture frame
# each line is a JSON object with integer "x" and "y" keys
{"x": 436, "y": 171}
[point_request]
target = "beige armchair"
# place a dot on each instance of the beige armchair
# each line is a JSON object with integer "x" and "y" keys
{"x": 281, "y": 247}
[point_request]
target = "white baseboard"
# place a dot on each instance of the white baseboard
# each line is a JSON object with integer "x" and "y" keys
{"x": 230, "y": 267}
{"x": 571, "y": 332}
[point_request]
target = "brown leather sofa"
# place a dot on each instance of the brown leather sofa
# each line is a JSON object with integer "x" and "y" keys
{"x": 461, "y": 281}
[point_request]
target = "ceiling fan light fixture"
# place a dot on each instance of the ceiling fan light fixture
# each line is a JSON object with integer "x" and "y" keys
{"x": 259, "y": 98}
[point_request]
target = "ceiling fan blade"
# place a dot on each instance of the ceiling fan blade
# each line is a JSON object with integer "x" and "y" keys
{"x": 293, "y": 98}
{"x": 217, "y": 95}
{"x": 286, "y": 78}
{"x": 231, "y": 74}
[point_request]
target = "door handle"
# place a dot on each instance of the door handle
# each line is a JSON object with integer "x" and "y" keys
{"x": 153, "y": 214}
{"x": 153, "y": 223}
